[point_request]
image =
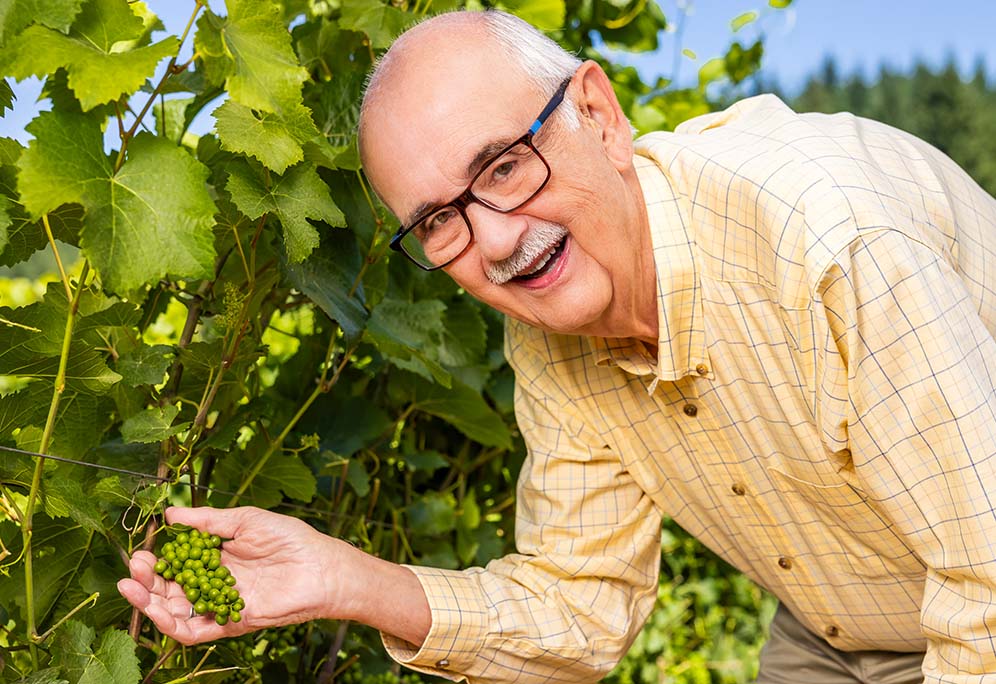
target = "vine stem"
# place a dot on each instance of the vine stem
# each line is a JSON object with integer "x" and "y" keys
{"x": 171, "y": 68}
{"x": 53, "y": 411}
{"x": 321, "y": 387}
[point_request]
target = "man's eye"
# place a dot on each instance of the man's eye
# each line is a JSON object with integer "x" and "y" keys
{"x": 439, "y": 220}
{"x": 503, "y": 170}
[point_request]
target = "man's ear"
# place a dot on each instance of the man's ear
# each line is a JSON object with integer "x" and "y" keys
{"x": 597, "y": 101}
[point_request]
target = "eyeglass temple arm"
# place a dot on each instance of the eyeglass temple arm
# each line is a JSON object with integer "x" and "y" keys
{"x": 558, "y": 97}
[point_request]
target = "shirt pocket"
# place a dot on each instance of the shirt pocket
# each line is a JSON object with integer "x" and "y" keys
{"x": 844, "y": 529}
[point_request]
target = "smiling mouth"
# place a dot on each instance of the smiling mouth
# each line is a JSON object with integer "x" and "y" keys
{"x": 544, "y": 264}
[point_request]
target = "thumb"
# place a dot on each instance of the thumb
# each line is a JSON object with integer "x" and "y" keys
{"x": 224, "y": 522}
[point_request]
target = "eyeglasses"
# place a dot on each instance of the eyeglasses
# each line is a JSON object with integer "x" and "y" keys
{"x": 507, "y": 181}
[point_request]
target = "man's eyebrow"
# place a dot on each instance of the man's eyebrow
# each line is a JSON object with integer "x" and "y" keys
{"x": 483, "y": 155}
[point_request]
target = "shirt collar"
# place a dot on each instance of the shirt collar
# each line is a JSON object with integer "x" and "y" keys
{"x": 681, "y": 347}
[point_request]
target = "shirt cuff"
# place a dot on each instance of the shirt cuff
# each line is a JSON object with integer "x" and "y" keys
{"x": 459, "y": 622}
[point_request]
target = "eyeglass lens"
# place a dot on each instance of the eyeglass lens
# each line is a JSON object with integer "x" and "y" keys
{"x": 506, "y": 183}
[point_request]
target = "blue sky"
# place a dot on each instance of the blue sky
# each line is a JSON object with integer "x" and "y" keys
{"x": 860, "y": 34}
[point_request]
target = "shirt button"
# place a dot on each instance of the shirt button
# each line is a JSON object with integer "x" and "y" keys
{"x": 785, "y": 563}
{"x": 443, "y": 663}
{"x": 831, "y": 631}
{"x": 738, "y": 489}
{"x": 690, "y": 410}
{"x": 702, "y": 369}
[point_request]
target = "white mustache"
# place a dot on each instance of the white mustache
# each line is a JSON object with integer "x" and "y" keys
{"x": 537, "y": 241}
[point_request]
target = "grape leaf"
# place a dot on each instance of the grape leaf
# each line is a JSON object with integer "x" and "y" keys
{"x": 98, "y": 70}
{"x": 25, "y": 235}
{"x": 152, "y": 425}
{"x": 433, "y": 513}
{"x": 294, "y": 198}
{"x": 408, "y": 334}
{"x": 144, "y": 365}
{"x": 250, "y": 51}
{"x": 380, "y": 21}
{"x": 56, "y": 14}
{"x": 113, "y": 662}
{"x": 460, "y": 406}
{"x": 328, "y": 276}
{"x": 80, "y": 423}
{"x": 65, "y": 496}
{"x": 273, "y": 139}
{"x": 6, "y": 97}
{"x": 47, "y": 676}
{"x": 546, "y": 15}
{"x": 152, "y": 217}
{"x": 283, "y": 474}
{"x": 59, "y": 546}
{"x": 464, "y": 336}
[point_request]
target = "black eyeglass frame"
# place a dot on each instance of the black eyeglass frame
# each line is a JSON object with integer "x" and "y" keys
{"x": 467, "y": 197}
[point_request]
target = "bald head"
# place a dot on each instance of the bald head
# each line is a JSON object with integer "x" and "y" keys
{"x": 436, "y": 51}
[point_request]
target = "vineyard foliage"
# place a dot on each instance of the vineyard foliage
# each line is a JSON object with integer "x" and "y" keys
{"x": 223, "y": 326}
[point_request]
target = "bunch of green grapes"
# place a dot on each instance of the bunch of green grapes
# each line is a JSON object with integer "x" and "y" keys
{"x": 193, "y": 560}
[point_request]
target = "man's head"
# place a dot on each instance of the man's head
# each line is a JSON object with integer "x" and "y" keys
{"x": 557, "y": 229}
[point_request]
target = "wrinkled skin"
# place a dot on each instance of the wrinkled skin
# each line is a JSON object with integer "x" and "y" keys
{"x": 280, "y": 564}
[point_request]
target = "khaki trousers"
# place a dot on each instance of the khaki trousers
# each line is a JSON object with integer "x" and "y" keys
{"x": 794, "y": 655}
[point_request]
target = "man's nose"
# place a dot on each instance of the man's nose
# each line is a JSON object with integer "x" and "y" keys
{"x": 495, "y": 234}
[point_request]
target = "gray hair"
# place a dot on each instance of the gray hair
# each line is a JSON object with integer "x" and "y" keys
{"x": 544, "y": 63}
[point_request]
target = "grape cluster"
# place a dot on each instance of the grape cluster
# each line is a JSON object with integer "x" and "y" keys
{"x": 193, "y": 560}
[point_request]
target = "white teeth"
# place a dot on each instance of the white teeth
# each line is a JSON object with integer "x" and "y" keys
{"x": 542, "y": 263}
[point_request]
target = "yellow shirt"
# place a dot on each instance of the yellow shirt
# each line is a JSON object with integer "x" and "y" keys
{"x": 821, "y": 412}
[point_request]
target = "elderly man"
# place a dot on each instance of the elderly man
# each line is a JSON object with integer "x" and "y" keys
{"x": 776, "y": 328}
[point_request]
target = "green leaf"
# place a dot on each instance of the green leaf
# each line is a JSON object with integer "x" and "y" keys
{"x": 328, "y": 277}
{"x": 294, "y": 198}
{"x": 113, "y": 662}
{"x": 358, "y": 478}
{"x": 274, "y": 139}
{"x": 171, "y": 117}
{"x": 250, "y": 51}
{"x": 546, "y": 15}
{"x": 408, "y": 334}
{"x": 46, "y": 676}
{"x": 351, "y": 423}
{"x": 64, "y": 495}
{"x": 56, "y": 14}
{"x": 152, "y": 425}
{"x": 381, "y": 22}
{"x": 779, "y": 4}
{"x": 711, "y": 71}
{"x": 98, "y": 70}
{"x": 6, "y": 97}
{"x": 144, "y": 365}
{"x": 79, "y": 426}
{"x": 464, "y": 336}
{"x": 25, "y": 235}
{"x": 434, "y": 513}
{"x": 460, "y": 406}
{"x": 283, "y": 474}
{"x": 689, "y": 53}
{"x": 429, "y": 461}
{"x": 742, "y": 20}
{"x": 150, "y": 219}
{"x": 59, "y": 546}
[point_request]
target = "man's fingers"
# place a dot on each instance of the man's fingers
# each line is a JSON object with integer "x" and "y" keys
{"x": 225, "y": 522}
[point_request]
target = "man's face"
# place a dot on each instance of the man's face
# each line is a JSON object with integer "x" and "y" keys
{"x": 560, "y": 261}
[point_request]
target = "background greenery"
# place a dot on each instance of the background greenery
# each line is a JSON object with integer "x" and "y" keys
{"x": 220, "y": 312}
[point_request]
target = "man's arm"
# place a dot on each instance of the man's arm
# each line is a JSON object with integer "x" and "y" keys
{"x": 568, "y": 606}
{"x": 287, "y": 572}
{"x": 921, "y": 379}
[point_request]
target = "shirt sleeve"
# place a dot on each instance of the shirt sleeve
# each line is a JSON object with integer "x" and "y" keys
{"x": 569, "y": 604}
{"x": 920, "y": 370}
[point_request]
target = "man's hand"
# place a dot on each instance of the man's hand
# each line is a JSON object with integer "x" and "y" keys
{"x": 283, "y": 569}
{"x": 287, "y": 572}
